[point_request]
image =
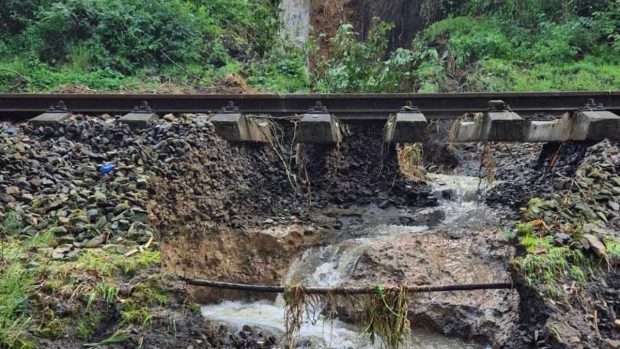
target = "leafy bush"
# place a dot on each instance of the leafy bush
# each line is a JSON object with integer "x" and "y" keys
{"x": 357, "y": 66}
{"x": 468, "y": 40}
{"x": 125, "y": 35}
{"x": 469, "y": 45}
{"x": 283, "y": 69}
{"x": 120, "y": 34}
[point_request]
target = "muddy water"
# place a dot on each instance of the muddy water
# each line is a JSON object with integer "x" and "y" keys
{"x": 332, "y": 334}
{"x": 326, "y": 266}
{"x": 295, "y": 20}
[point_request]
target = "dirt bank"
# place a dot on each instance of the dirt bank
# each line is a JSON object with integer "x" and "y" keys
{"x": 261, "y": 256}
{"x": 408, "y": 17}
{"x": 437, "y": 258}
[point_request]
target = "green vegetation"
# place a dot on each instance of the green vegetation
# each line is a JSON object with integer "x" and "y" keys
{"x": 11, "y": 224}
{"x": 550, "y": 263}
{"x": 485, "y": 46}
{"x": 233, "y": 45}
{"x": 113, "y": 44}
{"x": 32, "y": 285}
{"x": 16, "y": 284}
{"x": 547, "y": 264}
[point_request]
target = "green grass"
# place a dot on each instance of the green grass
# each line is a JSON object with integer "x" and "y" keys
{"x": 107, "y": 264}
{"x": 536, "y": 243}
{"x": 133, "y": 314}
{"x": 16, "y": 285}
{"x": 586, "y": 74}
{"x": 88, "y": 324}
{"x": 41, "y": 239}
{"x": 92, "y": 283}
{"x": 11, "y": 224}
{"x": 550, "y": 269}
{"x": 613, "y": 247}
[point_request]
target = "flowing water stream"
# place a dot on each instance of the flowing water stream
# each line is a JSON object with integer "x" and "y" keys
{"x": 327, "y": 265}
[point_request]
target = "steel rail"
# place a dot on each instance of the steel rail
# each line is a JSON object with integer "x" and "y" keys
{"x": 345, "y": 106}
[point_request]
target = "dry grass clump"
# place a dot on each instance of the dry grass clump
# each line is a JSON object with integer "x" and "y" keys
{"x": 295, "y": 299}
{"x": 410, "y": 161}
{"x": 384, "y": 312}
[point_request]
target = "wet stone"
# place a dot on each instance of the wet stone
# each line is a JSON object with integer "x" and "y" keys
{"x": 95, "y": 242}
{"x": 99, "y": 196}
{"x": 12, "y": 190}
{"x": 60, "y": 231}
{"x": 92, "y": 215}
{"x": 562, "y": 238}
{"x": 596, "y": 245}
{"x": 66, "y": 239}
{"x": 72, "y": 255}
{"x": 120, "y": 208}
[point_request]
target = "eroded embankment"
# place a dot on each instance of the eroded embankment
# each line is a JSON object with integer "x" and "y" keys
{"x": 242, "y": 213}
{"x": 362, "y": 172}
{"x": 266, "y": 231}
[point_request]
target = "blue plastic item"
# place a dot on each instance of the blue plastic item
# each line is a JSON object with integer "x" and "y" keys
{"x": 11, "y": 131}
{"x": 105, "y": 169}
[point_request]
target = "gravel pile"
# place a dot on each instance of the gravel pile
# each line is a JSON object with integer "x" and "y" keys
{"x": 95, "y": 182}
{"x": 87, "y": 180}
{"x": 532, "y": 170}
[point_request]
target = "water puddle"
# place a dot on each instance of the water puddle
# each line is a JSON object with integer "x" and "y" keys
{"x": 326, "y": 266}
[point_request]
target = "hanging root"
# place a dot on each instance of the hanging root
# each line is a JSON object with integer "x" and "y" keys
{"x": 336, "y": 166}
{"x": 386, "y": 316}
{"x": 294, "y": 297}
{"x": 454, "y": 131}
{"x": 554, "y": 159}
{"x": 385, "y": 312}
{"x": 275, "y": 137}
{"x": 303, "y": 174}
{"x": 488, "y": 162}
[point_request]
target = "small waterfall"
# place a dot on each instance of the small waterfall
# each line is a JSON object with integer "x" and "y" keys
{"x": 295, "y": 20}
{"x": 326, "y": 266}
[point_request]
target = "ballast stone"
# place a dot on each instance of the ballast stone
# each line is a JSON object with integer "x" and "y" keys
{"x": 319, "y": 128}
{"x": 595, "y": 126}
{"x": 236, "y": 127}
{"x": 407, "y": 127}
{"x": 50, "y": 118}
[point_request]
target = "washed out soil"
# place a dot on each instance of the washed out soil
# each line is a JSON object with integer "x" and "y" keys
{"x": 223, "y": 211}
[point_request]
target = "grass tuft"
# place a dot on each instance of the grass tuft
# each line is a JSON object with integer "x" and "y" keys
{"x": 16, "y": 284}
{"x": 11, "y": 224}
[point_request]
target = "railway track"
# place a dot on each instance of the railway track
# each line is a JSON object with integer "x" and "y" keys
{"x": 20, "y": 107}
